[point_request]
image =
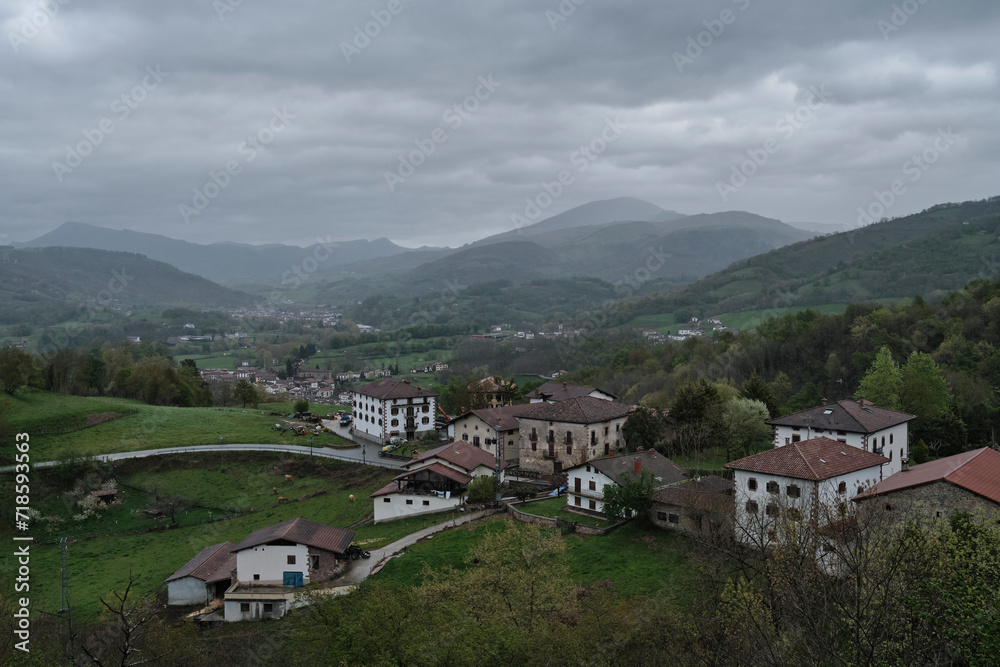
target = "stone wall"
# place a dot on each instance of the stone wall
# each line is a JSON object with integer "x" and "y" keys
{"x": 937, "y": 501}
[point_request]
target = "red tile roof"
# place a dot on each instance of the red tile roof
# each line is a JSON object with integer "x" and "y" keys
{"x": 460, "y": 453}
{"x": 977, "y": 471}
{"x": 583, "y": 410}
{"x": 848, "y": 415}
{"x": 439, "y": 468}
{"x": 301, "y": 531}
{"x": 815, "y": 459}
{"x": 390, "y": 488}
{"x": 383, "y": 389}
{"x": 213, "y": 563}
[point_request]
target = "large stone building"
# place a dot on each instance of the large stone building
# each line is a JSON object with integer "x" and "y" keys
{"x": 858, "y": 423}
{"x": 556, "y": 436}
{"x": 479, "y": 427}
{"x": 389, "y": 408}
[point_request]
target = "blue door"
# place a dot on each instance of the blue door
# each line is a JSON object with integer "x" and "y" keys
{"x": 291, "y": 579}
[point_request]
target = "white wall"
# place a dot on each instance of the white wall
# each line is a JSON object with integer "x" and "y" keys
{"x": 586, "y": 475}
{"x": 188, "y": 590}
{"x": 395, "y": 506}
{"x": 256, "y": 613}
{"x": 270, "y": 562}
{"x": 893, "y": 440}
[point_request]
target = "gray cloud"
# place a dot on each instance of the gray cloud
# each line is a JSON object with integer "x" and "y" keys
{"x": 897, "y": 74}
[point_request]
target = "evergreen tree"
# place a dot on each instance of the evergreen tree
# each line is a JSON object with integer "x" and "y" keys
{"x": 924, "y": 391}
{"x": 882, "y": 382}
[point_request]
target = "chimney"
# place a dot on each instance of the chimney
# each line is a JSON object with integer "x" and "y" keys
{"x": 823, "y": 401}
{"x": 906, "y": 463}
{"x": 652, "y": 452}
{"x": 637, "y": 466}
{"x": 639, "y": 450}
{"x": 564, "y": 384}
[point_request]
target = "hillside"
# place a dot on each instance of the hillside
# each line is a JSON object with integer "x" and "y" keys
{"x": 44, "y": 285}
{"x": 933, "y": 251}
{"x": 229, "y": 262}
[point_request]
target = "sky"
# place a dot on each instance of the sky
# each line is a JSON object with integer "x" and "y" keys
{"x": 438, "y": 123}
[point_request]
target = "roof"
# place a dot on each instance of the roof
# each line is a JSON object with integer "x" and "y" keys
{"x": 848, "y": 415}
{"x": 460, "y": 453}
{"x": 977, "y": 471}
{"x": 582, "y": 410}
{"x": 693, "y": 490}
{"x": 560, "y": 391}
{"x": 506, "y": 414}
{"x": 439, "y": 468}
{"x": 815, "y": 459}
{"x": 301, "y": 531}
{"x": 383, "y": 389}
{"x": 390, "y": 488}
{"x": 665, "y": 471}
{"x": 213, "y": 563}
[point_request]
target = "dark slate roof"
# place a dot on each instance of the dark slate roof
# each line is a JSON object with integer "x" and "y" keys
{"x": 682, "y": 493}
{"x": 301, "y": 531}
{"x": 848, "y": 415}
{"x": 507, "y": 414}
{"x": 815, "y": 459}
{"x": 560, "y": 391}
{"x": 977, "y": 471}
{"x": 439, "y": 468}
{"x": 583, "y": 410}
{"x": 665, "y": 471}
{"x": 383, "y": 389}
{"x": 213, "y": 563}
{"x": 460, "y": 453}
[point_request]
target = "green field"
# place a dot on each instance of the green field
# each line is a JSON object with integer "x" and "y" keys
{"x": 58, "y": 425}
{"x": 556, "y": 507}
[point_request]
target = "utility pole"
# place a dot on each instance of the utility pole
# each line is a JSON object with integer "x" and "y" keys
{"x": 499, "y": 457}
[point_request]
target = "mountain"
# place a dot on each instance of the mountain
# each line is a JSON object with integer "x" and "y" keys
{"x": 929, "y": 253}
{"x": 43, "y": 285}
{"x": 228, "y": 262}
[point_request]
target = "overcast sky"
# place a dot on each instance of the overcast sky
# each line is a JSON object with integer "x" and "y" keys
{"x": 119, "y": 114}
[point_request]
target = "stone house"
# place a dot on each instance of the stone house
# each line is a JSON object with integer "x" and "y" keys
{"x": 698, "y": 507}
{"x": 478, "y": 427}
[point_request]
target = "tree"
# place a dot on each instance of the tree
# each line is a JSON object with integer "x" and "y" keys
{"x": 644, "y": 428}
{"x": 744, "y": 420}
{"x": 923, "y": 391}
{"x": 482, "y": 489}
{"x": 629, "y": 497}
{"x": 882, "y": 382}
{"x": 756, "y": 389}
{"x": 17, "y": 369}
{"x": 246, "y": 392}
{"x": 920, "y": 453}
{"x": 301, "y": 405}
{"x": 129, "y": 636}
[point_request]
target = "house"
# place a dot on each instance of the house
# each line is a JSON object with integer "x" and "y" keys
{"x": 553, "y": 392}
{"x": 274, "y": 562}
{"x": 479, "y": 428}
{"x": 811, "y": 479}
{"x": 966, "y": 482}
{"x": 556, "y": 436}
{"x": 858, "y": 423}
{"x": 433, "y": 482}
{"x": 203, "y": 578}
{"x": 699, "y": 507}
{"x": 389, "y": 408}
{"x": 586, "y": 482}
{"x": 492, "y": 392}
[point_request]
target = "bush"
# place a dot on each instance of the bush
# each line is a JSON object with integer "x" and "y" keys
{"x": 482, "y": 489}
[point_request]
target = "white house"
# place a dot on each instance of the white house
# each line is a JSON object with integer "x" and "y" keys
{"x": 858, "y": 423}
{"x": 809, "y": 480}
{"x": 272, "y": 563}
{"x": 585, "y": 483}
{"x": 433, "y": 482}
{"x": 203, "y": 578}
{"x": 391, "y": 408}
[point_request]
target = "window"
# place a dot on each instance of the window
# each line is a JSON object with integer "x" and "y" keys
{"x": 888, "y": 507}
{"x": 592, "y": 485}
{"x": 842, "y": 488}
{"x": 569, "y": 448}
{"x": 395, "y": 422}
{"x": 772, "y": 487}
{"x": 593, "y": 504}
{"x": 475, "y": 440}
{"x": 395, "y": 411}
{"x": 569, "y": 437}
{"x": 752, "y": 507}
{"x": 256, "y": 577}
{"x": 605, "y": 430}
{"x": 890, "y": 453}
{"x": 425, "y": 420}
{"x": 674, "y": 518}
{"x": 244, "y": 607}
{"x": 534, "y": 434}
{"x": 552, "y": 435}
{"x": 268, "y": 607}
{"x": 427, "y": 502}
{"x": 661, "y": 516}
{"x": 890, "y": 438}
{"x": 291, "y": 559}
{"x": 409, "y": 502}
{"x": 313, "y": 562}
{"x": 793, "y": 491}
{"x": 752, "y": 484}
{"x": 771, "y": 509}
{"x": 796, "y": 437}
{"x": 386, "y": 500}
{"x": 576, "y": 500}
